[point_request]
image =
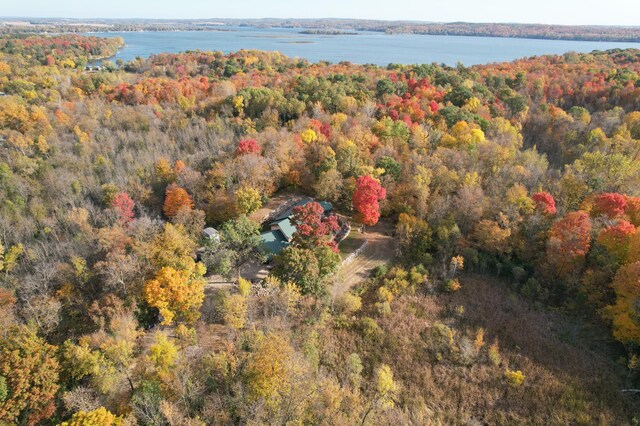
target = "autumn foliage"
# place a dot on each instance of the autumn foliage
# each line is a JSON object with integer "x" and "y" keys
{"x": 633, "y": 210}
{"x": 611, "y": 205}
{"x": 29, "y": 369}
{"x": 569, "y": 241}
{"x": 544, "y": 203}
{"x": 616, "y": 238}
{"x": 177, "y": 294}
{"x": 312, "y": 226}
{"x": 366, "y": 199}
{"x": 248, "y": 146}
{"x": 267, "y": 366}
{"x": 123, "y": 205}
{"x": 98, "y": 417}
{"x": 176, "y": 199}
{"x": 626, "y": 285}
{"x": 526, "y": 172}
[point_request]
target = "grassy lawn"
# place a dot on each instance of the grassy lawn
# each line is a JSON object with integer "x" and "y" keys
{"x": 351, "y": 243}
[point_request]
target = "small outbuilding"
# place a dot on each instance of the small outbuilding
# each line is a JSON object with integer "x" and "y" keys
{"x": 211, "y": 234}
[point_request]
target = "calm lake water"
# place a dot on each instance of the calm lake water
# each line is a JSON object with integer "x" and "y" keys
{"x": 366, "y": 47}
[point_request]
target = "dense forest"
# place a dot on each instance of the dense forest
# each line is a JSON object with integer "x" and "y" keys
{"x": 535, "y": 31}
{"x": 328, "y": 26}
{"x": 513, "y": 192}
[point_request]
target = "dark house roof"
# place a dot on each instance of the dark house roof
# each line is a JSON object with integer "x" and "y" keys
{"x": 276, "y": 240}
{"x": 286, "y": 227}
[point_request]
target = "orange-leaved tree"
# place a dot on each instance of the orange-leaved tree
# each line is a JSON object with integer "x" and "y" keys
{"x": 176, "y": 199}
{"x": 569, "y": 242}
{"x": 609, "y": 204}
{"x": 617, "y": 238}
{"x": 29, "y": 369}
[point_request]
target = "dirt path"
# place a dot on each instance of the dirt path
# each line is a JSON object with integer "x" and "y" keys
{"x": 380, "y": 249}
{"x": 216, "y": 282}
{"x": 251, "y": 271}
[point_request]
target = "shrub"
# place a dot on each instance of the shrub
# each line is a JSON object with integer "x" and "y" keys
{"x": 494, "y": 354}
{"x": 514, "y": 378}
{"x": 369, "y": 328}
{"x": 452, "y": 286}
{"x": 349, "y": 304}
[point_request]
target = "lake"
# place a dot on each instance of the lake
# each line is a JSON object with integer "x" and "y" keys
{"x": 365, "y": 47}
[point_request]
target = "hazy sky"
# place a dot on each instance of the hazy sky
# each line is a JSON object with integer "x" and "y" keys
{"x": 603, "y": 12}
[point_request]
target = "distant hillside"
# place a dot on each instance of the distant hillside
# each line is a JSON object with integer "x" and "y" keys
{"x": 333, "y": 26}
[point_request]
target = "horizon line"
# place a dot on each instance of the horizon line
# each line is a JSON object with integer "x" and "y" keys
{"x": 6, "y": 18}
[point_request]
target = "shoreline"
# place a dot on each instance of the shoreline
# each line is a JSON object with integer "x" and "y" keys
{"x": 325, "y": 26}
{"x": 380, "y": 32}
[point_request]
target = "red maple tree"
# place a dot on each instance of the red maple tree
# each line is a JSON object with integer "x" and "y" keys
{"x": 569, "y": 241}
{"x": 544, "y": 202}
{"x": 312, "y": 226}
{"x": 366, "y": 199}
{"x": 123, "y": 205}
{"x": 609, "y": 204}
{"x": 248, "y": 146}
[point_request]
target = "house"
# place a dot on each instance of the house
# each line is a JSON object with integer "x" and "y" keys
{"x": 285, "y": 227}
{"x": 281, "y": 229}
{"x": 273, "y": 242}
{"x": 211, "y": 234}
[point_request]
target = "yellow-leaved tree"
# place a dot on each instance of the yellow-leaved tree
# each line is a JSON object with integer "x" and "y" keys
{"x": 98, "y": 417}
{"x": 266, "y": 373}
{"x": 8, "y": 259}
{"x": 162, "y": 357}
{"x": 171, "y": 247}
{"x": 309, "y": 136}
{"x": 104, "y": 359}
{"x": 177, "y": 293}
{"x": 235, "y": 306}
{"x": 247, "y": 200}
{"x": 622, "y": 314}
{"x": 385, "y": 386}
{"x": 383, "y": 392}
